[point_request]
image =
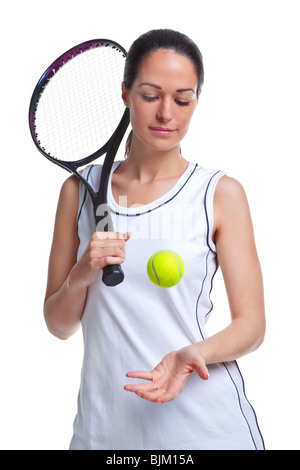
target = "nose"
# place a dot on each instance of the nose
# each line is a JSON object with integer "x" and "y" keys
{"x": 164, "y": 112}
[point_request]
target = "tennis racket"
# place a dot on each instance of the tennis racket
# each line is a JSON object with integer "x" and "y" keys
{"x": 76, "y": 115}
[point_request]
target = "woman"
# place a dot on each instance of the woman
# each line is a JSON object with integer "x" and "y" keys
{"x": 156, "y": 336}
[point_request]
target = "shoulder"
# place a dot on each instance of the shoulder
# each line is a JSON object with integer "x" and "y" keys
{"x": 70, "y": 185}
{"x": 69, "y": 196}
{"x": 230, "y": 202}
{"x": 229, "y": 190}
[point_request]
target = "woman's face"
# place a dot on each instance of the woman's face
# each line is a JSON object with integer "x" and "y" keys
{"x": 162, "y": 99}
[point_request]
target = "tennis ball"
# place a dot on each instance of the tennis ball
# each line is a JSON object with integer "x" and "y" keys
{"x": 165, "y": 268}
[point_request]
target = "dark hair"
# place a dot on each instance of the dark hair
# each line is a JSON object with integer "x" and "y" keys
{"x": 162, "y": 39}
{"x": 152, "y": 41}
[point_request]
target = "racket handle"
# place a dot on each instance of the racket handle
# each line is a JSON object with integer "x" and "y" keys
{"x": 112, "y": 275}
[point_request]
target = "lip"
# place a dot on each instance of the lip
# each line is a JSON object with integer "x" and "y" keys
{"x": 162, "y": 130}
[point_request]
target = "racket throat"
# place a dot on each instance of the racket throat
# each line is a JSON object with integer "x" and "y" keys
{"x": 103, "y": 219}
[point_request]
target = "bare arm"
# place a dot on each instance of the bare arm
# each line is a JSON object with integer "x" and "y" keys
{"x": 68, "y": 280}
{"x": 237, "y": 256}
{"x": 242, "y": 275}
{"x": 63, "y": 304}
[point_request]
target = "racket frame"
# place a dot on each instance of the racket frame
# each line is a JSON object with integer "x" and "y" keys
{"x": 110, "y": 147}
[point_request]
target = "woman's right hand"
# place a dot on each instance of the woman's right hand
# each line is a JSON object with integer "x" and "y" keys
{"x": 104, "y": 248}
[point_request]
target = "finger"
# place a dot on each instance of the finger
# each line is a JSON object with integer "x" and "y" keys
{"x": 110, "y": 235}
{"x": 170, "y": 393}
{"x": 102, "y": 252}
{"x": 98, "y": 244}
{"x": 126, "y": 236}
{"x": 142, "y": 388}
{"x": 105, "y": 260}
{"x": 165, "y": 397}
{"x": 154, "y": 395}
{"x": 140, "y": 374}
{"x": 109, "y": 260}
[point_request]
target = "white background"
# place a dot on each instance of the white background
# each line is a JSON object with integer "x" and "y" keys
{"x": 247, "y": 124}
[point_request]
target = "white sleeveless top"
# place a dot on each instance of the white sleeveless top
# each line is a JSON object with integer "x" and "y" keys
{"x": 132, "y": 326}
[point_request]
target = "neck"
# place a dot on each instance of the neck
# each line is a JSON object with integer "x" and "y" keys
{"x": 146, "y": 164}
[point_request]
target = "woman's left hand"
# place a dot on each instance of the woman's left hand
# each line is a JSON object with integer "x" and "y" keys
{"x": 168, "y": 378}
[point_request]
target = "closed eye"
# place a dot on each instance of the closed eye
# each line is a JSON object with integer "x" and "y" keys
{"x": 149, "y": 98}
{"x": 182, "y": 103}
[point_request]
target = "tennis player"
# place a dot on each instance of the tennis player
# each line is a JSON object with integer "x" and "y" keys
{"x": 151, "y": 377}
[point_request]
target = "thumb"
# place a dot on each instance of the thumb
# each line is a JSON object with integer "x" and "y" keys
{"x": 202, "y": 371}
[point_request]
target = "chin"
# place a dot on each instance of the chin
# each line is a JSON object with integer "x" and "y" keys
{"x": 156, "y": 143}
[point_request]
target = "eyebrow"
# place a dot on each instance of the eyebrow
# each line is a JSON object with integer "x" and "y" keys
{"x": 181, "y": 90}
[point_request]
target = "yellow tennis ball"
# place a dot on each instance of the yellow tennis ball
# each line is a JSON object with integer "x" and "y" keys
{"x": 165, "y": 268}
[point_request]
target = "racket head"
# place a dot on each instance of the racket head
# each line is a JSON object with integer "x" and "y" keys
{"x": 76, "y": 110}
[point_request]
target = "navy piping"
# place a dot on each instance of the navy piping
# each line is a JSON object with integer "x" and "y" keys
{"x": 239, "y": 400}
{"x": 199, "y": 296}
{"x": 206, "y": 214}
{"x": 211, "y": 288}
{"x": 243, "y": 383}
{"x": 202, "y": 335}
{"x": 160, "y": 205}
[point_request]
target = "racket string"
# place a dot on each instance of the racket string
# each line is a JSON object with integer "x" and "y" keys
{"x": 81, "y": 106}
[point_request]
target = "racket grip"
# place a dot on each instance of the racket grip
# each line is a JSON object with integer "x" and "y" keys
{"x": 112, "y": 275}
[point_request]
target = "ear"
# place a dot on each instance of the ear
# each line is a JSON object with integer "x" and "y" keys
{"x": 125, "y": 95}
